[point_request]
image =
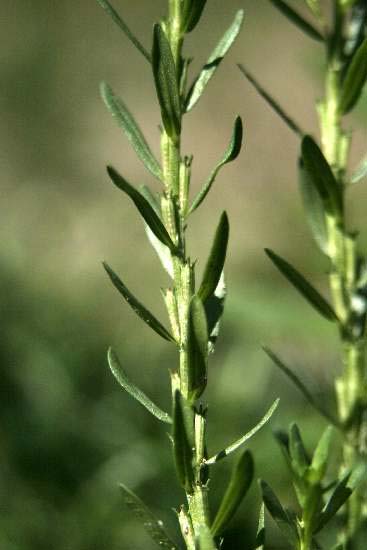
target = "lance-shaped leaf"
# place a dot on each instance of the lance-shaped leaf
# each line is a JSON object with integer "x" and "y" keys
{"x": 152, "y": 198}
{"x": 260, "y": 534}
{"x": 297, "y": 451}
{"x": 298, "y": 20}
{"x": 213, "y": 62}
{"x": 131, "y": 129}
{"x": 303, "y": 286}
{"x": 321, "y": 175}
{"x": 314, "y": 208}
{"x": 183, "y": 440}
{"x": 147, "y": 212}
{"x": 271, "y": 101}
{"x": 231, "y": 154}
{"x": 191, "y": 14}
{"x": 124, "y": 381}
{"x": 215, "y": 264}
{"x": 139, "y": 309}
{"x": 123, "y": 26}
{"x": 231, "y": 448}
{"x": 240, "y": 481}
{"x": 354, "y": 80}
{"x": 163, "y": 252}
{"x": 166, "y": 83}
{"x": 299, "y": 385}
{"x": 321, "y": 456}
{"x": 214, "y": 307}
{"x": 338, "y": 497}
{"x": 360, "y": 172}
{"x": 198, "y": 348}
{"x": 152, "y": 525}
{"x": 205, "y": 538}
{"x": 277, "y": 512}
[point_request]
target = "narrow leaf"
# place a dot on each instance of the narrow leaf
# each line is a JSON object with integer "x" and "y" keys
{"x": 147, "y": 212}
{"x": 205, "y": 538}
{"x": 194, "y": 9}
{"x": 214, "y": 308}
{"x": 240, "y": 481}
{"x": 139, "y": 309}
{"x": 119, "y": 21}
{"x": 303, "y": 286}
{"x": 154, "y": 527}
{"x": 260, "y": 535}
{"x": 215, "y": 264}
{"x": 134, "y": 391}
{"x": 298, "y": 20}
{"x": 355, "y": 79}
{"x": 314, "y": 208}
{"x": 271, "y": 102}
{"x": 231, "y": 154}
{"x": 163, "y": 252}
{"x": 198, "y": 348}
{"x": 297, "y": 451}
{"x": 213, "y": 62}
{"x": 360, "y": 172}
{"x": 278, "y": 513}
{"x": 321, "y": 455}
{"x": 166, "y": 82}
{"x": 321, "y": 175}
{"x": 131, "y": 129}
{"x": 152, "y": 198}
{"x": 299, "y": 385}
{"x": 338, "y": 497}
{"x": 231, "y": 448}
{"x": 183, "y": 440}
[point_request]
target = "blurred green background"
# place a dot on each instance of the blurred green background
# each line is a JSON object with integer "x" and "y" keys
{"x": 67, "y": 433}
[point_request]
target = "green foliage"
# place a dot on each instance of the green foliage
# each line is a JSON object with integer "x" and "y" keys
{"x": 354, "y": 80}
{"x": 183, "y": 440}
{"x": 298, "y": 20}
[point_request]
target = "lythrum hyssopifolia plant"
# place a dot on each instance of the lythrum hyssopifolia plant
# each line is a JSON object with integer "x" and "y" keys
{"x": 324, "y": 178}
{"x": 194, "y": 309}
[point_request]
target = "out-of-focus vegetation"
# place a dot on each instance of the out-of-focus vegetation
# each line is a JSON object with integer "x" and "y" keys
{"x": 67, "y": 433}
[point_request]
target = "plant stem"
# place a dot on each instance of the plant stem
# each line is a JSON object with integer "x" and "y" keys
{"x": 343, "y": 279}
{"x": 174, "y": 206}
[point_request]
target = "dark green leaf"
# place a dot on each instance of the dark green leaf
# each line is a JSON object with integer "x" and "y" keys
{"x": 338, "y": 497}
{"x": 117, "y": 19}
{"x": 303, "y": 286}
{"x": 354, "y": 80}
{"x": 271, "y": 102}
{"x": 214, "y": 307}
{"x": 314, "y": 208}
{"x": 360, "y": 172}
{"x": 133, "y": 390}
{"x": 215, "y": 264}
{"x": 299, "y": 384}
{"x": 297, "y": 451}
{"x": 153, "y": 526}
{"x": 147, "y": 212}
{"x": 183, "y": 440}
{"x": 278, "y": 513}
{"x": 139, "y": 309}
{"x": 166, "y": 82}
{"x": 241, "y": 479}
{"x": 205, "y": 538}
{"x": 213, "y": 62}
{"x": 192, "y": 13}
{"x": 231, "y": 154}
{"x": 198, "y": 348}
{"x": 321, "y": 456}
{"x": 132, "y": 131}
{"x": 321, "y": 176}
{"x": 231, "y": 448}
{"x": 152, "y": 198}
{"x": 298, "y": 20}
{"x": 260, "y": 535}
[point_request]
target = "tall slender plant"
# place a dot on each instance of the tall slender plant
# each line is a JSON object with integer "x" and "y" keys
{"x": 324, "y": 180}
{"x": 194, "y": 311}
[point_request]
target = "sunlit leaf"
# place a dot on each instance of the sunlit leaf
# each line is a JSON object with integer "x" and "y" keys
{"x": 166, "y": 82}
{"x": 239, "y": 483}
{"x": 321, "y": 455}
{"x": 139, "y": 309}
{"x": 131, "y": 129}
{"x": 154, "y": 527}
{"x": 231, "y": 448}
{"x": 213, "y": 62}
{"x": 355, "y": 79}
{"x": 134, "y": 391}
{"x": 231, "y": 154}
{"x": 298, "y": 20}
{"x": 303, "y": 286}
{"x": 260, "y": 534}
